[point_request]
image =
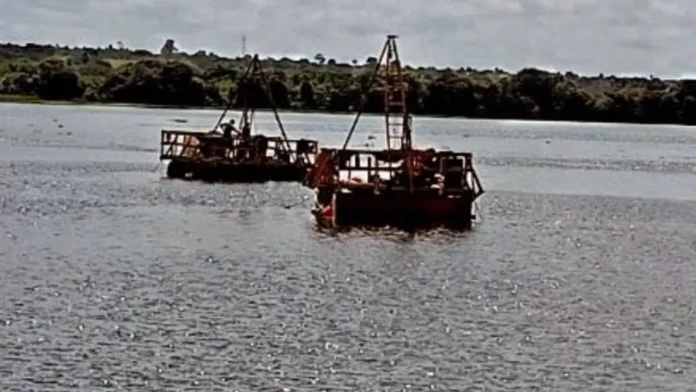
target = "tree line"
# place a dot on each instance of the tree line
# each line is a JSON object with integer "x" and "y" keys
{"x": 174, "y": 78}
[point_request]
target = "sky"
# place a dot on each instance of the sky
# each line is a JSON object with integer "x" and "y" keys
{"x": 621, "y": 37}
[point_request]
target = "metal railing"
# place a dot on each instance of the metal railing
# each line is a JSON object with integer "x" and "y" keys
{"x": 409, "y": 169}
{"x": 175, "y": 144}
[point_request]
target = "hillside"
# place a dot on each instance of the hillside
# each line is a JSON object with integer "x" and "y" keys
{"x": 120, "y": 75}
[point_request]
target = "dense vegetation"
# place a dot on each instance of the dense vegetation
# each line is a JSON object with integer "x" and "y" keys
{"x": 117, "y": 74}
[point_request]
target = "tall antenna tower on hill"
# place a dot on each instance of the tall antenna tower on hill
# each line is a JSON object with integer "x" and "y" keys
{"x": 243, "y": 45}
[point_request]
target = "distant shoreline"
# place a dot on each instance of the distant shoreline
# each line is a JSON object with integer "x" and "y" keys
{"x": 203, "y": 80}
{"x": 32, "y": 100}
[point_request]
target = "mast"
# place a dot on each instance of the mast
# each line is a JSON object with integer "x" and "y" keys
{"x": 395, "y": 89}
{"x": 255, "y": 75}
{"x": 396, "y": 116}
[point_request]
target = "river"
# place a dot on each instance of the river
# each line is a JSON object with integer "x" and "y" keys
{"x": 581, "y": 274}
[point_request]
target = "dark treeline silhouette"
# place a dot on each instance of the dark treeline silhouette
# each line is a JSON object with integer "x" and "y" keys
{"x": 120, "y": 75}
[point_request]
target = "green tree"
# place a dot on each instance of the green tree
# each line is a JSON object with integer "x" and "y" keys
{"x": 168, "y": 48}
{"x": 307, "y": 94}
{"x": 139, "y": 76}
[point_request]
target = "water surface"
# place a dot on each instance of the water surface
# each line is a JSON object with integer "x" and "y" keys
{"x": 579, "y": 277}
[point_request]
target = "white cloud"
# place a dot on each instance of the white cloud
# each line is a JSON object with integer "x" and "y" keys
{"x": 585, "y": 36}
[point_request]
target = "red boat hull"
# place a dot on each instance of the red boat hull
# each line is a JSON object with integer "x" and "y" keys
{"x": 397, "y": 209}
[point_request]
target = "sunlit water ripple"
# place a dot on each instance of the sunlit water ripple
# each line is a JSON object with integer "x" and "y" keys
{"x": 580, "y": 276}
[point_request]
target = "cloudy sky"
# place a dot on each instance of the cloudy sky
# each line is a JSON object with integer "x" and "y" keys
{"x": 585, "y": 36}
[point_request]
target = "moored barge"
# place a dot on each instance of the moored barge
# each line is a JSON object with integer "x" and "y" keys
{"x": 227, "y": 154}
{"x": 398, "y": 186}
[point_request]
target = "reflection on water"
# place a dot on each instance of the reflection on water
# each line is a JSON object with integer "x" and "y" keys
{"x": 579, "y": 277}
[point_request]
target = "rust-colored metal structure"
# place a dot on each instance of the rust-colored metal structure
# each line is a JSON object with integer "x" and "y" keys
{"x": 403, "y": 186}
{"x": 234, "y": 155}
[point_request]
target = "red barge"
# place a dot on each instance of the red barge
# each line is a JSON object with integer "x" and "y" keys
{"x": 226, "y": 154}
{"x": 402, "y": 186}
